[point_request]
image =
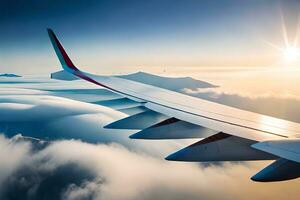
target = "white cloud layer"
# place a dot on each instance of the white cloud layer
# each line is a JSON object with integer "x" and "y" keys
{"x": 112, "y": 172}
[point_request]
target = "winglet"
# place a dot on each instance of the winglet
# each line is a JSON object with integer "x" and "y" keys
{"x": 67, "y": 64}
{"x": 63, "y": 57}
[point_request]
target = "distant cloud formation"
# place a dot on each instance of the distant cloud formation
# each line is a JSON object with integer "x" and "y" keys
{"x": 284, "y": 106}
{"x": 75, "y": 170}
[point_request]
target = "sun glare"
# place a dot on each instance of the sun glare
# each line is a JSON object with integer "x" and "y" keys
{"x": 291, "y": 53}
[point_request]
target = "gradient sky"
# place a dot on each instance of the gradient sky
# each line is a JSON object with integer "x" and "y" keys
{"x": 225, "y": 42}
{"x": 119, "y": 36}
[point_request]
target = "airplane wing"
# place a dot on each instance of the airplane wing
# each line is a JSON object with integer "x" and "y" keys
{"x": 230, "y": 134}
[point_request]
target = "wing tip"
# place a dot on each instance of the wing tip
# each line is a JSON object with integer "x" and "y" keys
{"x": 49, "y": 30}
{"x": 63, "y": 57}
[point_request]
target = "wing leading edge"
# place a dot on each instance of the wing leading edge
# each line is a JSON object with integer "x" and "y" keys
{"x": 230, "y": 133}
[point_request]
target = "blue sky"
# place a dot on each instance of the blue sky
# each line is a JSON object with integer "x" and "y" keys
{"x": 107, "y": 35}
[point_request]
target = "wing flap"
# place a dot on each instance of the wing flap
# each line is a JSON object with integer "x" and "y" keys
{"x": 220, "y": 147}
{"x": 173, "y": 129}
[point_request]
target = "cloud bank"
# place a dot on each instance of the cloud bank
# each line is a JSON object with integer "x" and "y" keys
{"x": 75, "y": 170}
{"x": 284, "y": 106}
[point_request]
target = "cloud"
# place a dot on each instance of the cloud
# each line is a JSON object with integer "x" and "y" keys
{"x": 11, "y": 156}
{"x": 281, "y": 105}
{"x": 75, "y": 170}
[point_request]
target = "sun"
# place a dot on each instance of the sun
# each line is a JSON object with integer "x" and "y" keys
{"x": 291, "y": 53}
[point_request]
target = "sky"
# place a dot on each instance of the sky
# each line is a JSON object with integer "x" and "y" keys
{"x": 118, "y": 36}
